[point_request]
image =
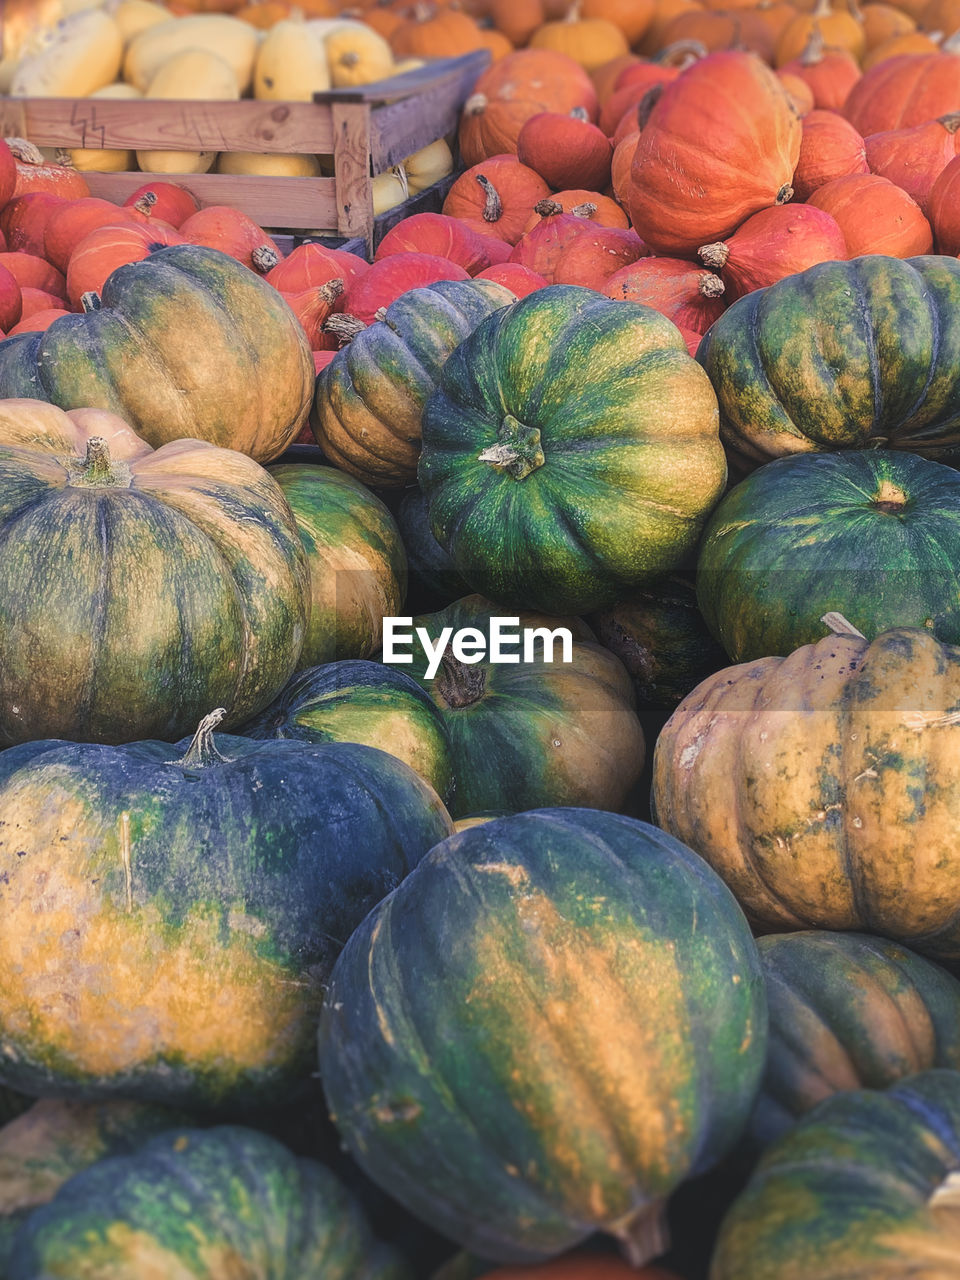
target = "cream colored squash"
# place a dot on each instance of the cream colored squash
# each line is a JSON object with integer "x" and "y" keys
{"x": 134, "y": 16}
{"x": 408, "y": 64}
{"x": 194, "y": 73}
{"x": 291, "y": 64}
{"x": 275, "y": 164}
{"x": 106, "y": 159}
{"x": 428, "y": 165}
{"x": 389, "y": 189}
{"x": 231, "y": 39}
{"x": 357, "y": 55}
{"x": 84, "y": 54}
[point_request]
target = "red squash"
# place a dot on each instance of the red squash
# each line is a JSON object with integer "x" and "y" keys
{"x": 440, "y": 235}
{"x": 632, "y": 90}
{"x": 566, "y": 150}
{"x": 71, "y": 220}
{"x": 24, "y": 220}
{"x": 37, "y": 321}
{"x": 31, "y": 272}
{"x": 915, "y": 157}
{"x": 167, "y": 201}
{"x": 514, "y": 276}
{"x": 565, "y": 249}
{"x": 218, "y": 226}
{"x": 34, "y": 173}
{"x": 390, "y": 277}
{"x": 875, "y": 216}
{"x": 11, "y": 302}
{"x": 775, "y": 243}
{"x": 909, "y": 89}
{"x": 580, "y": 1266}
{"x": 686, "y": 294}
{"x": 312, "y": 264}
{"x": 104, "y": 249}
{"x": 36, "y": 300}
{"x": 312, "y": 307}
{"x": 830, "y": 74}
{"x": 830, "y": 148}
{"x": 944, "y": 209}
{"x": 591, "y": 205}
{"x": 721, "y": 143}
{"x": 8, "y": 175}
{"x": 499, "y": 192}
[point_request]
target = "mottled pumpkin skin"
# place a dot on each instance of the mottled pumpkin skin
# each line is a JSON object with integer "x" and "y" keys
{"x": 169, "y": 916}
{"x": 355, "y": 559}
{"x": 848, "y": 1011}
{"x": 142, "y": 590}
{"x": 208, "y": 1204}
{"x": 609, "y": 455}
{"x": 370, "y": 398}
{"x": 557, "y": 1017}
{"x": 528, "y": 734}
{"x": 187, "y": 343}
{"x": 871, "y": 534}
{"x": 840, "y": 356}
{"x": 823, "y": 786}
{"x": 864, "y": 1188}
{"x": 434, "y": 581}
{"x": 367, "y": 702}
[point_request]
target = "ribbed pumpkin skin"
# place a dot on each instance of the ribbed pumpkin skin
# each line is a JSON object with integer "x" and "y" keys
{"x": 849, "y": 1194}
{"x": 903, "y": 91}
{"x": 797, "y": 779}
{"x": 211, "y": 1203}
{"x": 848, "y": 1011}
{"x": 529, "y": 734}
{"x": 613, "y": 429}
{"x": 355, "y": 560}
{"x": 871, "y": 534}
{"x": 187, "y": 343}
{"x": 884, "y": 371}
{"x": 133, "y": 602}
{"x": 568, "y": 1001}
{"x": 365, "y": 702}
{"x": 370, "y": 398}
{"x": 192, "y": 907}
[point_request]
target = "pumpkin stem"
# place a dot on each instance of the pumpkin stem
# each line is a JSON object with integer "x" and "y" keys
{"x": 579, "y": 113}
{"x": 344, "y": 327}
{"x": 710, "y": 286}
{"x": 646, "y": 104}
{"x": 264, "y": 258}
{"x": 890, "y": 498}
{"x": 331, "y": 291}
{"x": 950, "y": 45}
{"x": 951, "y": 122}
{"x": 90, "y": 301}
{"x": 493, "y": 205}
{"x": 146, "y": 203}
{"x": 644, "y": 1235}
{"x": 714, "y": 255}
{"x": 24, "y": 151}
{"x": 458, "y": 683}
{"x": 681, "y": 53}
{"x": 838, "y": 624}
{"x": 785, "y": 193}
{"x": 475, "y": 105}
{"x": 813, "y": 49}
{"x": 585, "y": 210}
{"x": 947, "y": 1194}
{"x": 202, "y": 750}
{"x": 547, "y": 208}
{"x": 518, "y": 450}
{"x": 98, "y": 469}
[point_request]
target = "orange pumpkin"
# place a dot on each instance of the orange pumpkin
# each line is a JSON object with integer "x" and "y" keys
{"x": 664, "y": 12}
{"x": 35, "y": 173}
{"x": 914, "y": 158}
{"x": 70, "y": 221}
{"x": 105, "y": 248}
{"x": 798, "y": 91}
{"x": 566, "y": 149}
{"x": 837, "y": 28}
{"x": 875, "y": 216}
{"x": 517, "y": 19}
{"x": 500, "y": 193}
{"x": 589, "y": 41}
{"x": 944, "y": 209}
{"x": 591, "y": 205}
{"x": 219, "y": 226}
{"x": 829, "y": 73}
{"x": 433, "y": 32}
{"x": 906, "y": 90}
{"x": 633, "y": 17}
{"x": 830, "y": 148}
{"x": 882, "y": 22}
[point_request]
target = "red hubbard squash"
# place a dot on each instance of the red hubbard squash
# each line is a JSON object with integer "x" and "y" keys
{"x": 440, "y": 235}
{"x": 721, "y": 143}
{"x": 686, "y": 294}
{"x": 71, "y": 220}
{"x": 632, "y": 93}
{"x": 772, "y": 244}
{"x": 220, "y": 227}
{"x": 945, "y": 209}
{"x": 517, "y": 87}
{"x": 11, "y": 302}
{"x": 514, "y": 276}
{"x": 829, "y": 73}
{"x": 500, "y": 193}
{"x": 906, "y": 90}
{"x": 313, "y": 264}
{"x": 164, "y": 200}
{"x": 24, "y": 220}
{"x": 875, "y": 216}
{"x": 31, "y": 272}
{"x": 565, "y": 249}
{"x": 35, "y": 173}
{"x": 37, "y": 321}
{"x": 915, "y": 157}
{"x": 99, "y": 254}
{"x": 798, "y": 91}
{"x": 566, "y": 150}
{"x": 830, "y": 147}
{"x": 390, "y": 277}
{"x": 592, "y": 205}
{"x": 312, "y": 307}
{"x": 8, "y": 174}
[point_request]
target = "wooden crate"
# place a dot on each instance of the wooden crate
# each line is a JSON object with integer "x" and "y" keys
{"x": 366, "y": 130}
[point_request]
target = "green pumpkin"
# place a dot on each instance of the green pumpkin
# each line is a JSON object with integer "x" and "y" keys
{"x": 363, "y": 702}
{"x": 214, "y": 1204}
{"x": 661, "y": 638}
{"x": 839, "y": 356}
{"x": 554, "y": 1020}
{"x": 187, "y": 343}
{"x": 138, "y": 588}
{"x": 369, "y": 399}
{"x": 848, "y": 1011}
{"x": 865, "y": 1187}
{"x": 871, "y": 534}
{"x": 570, "y": 453}
{"x": 355, "y": 558}
{"x": 194, "y": 899}
{"x": 433, "y": 578}
{"x": 528, "y": 734}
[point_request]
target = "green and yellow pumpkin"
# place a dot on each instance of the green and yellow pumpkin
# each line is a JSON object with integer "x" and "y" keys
{"x": 843, "y": 355}
{"x": 170, "y": 913}
{"x": 187, "y": 343}
{"x": 570, "y": 452}
{"x": 554, "y": 1019}
{"x": 138, "y": 588}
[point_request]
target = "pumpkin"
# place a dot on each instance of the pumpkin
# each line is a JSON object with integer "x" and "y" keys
{"x": 516, "y": 948}
{"x": 206, "y": 888}
{"x": 312, "y": 264}
{"x": 357, "y": 55}
{"x": 24, "y": 220}
{"x": 913, "y": 42}
{"x": 875, "y": 215}
{"x": 37, "y": 321}
{"x": 390, "y": 278}
{"x": 829, "y": 67}
{"x": 944, "y": 209}
{"x": 205, "y": 1202}
{"x": 688, "y": 296}
{"x": 31, "y": 272}
{"x": 435, "y": 32}
{"x": 11, "y": 300}
{"x": 434, "y": 581}
{"x": 355, "y": 560}
{"x": 566, "y": 150}
{"x": 906, "y": 90}
{"x": 848, "y": 1011}
{"x": 219, "y": 227}
{"x": 564, "y": 502}
{"x": 536, "y": 731}
{"x": 775, "y": 243}
{"x": 357, "y": 701}
{"x": 870, "y": 534}
{"x": 313, "y": 307}
{"x": 167, "y": 201}
{"x": 567, "y": 248}
{"x": 37, "y": 174}
{"x": 501, "y": 192}
{"x": 157, "y": 583}
{"x": 914, "y": 158}
{"x": 370, "y": 398}
{"x": 581, "y": 1266}
{"x": 661, "y": 638}
{"x": 440, "y": 235}
{"x": 795, "y": 778}
{"x": 273, "y": 164}
{"x": 589, "y": 41}
{"x": 592, "y": 206}
{"x": 520, "y": 280}
{"x": 882, "y": 22}
{"x": 70, "y": 222}
{"x": 8, "y": 174}
{"x": 247, "y": 385}
{"x": 34, "y": 300}
{"x": 517, "y": 19}
{"x": 830, "y": 148}
{"x": 105, "y": 248}
{"x": 799, "y": 93}
{"x": 866, "y": 1185}
{"x": 631, "y": 16}
{"x": 721, "y": 143}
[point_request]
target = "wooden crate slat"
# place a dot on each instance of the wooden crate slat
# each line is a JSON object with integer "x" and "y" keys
{"x": 154, "y": 124}
{"x": 399, "y": 129}
{"x": 272, "y": 202}
{"x": 351, "y": 159}
{"x": 461, "y": 73}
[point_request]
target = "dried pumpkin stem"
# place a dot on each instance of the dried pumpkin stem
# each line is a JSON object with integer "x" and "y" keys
{"x": 838, "y": 624}
{"x": 492, "y": 204}
{"x": 644, "y": 1235}
{"x": 202, "y": 750}
{"x": 518, "y": 450}
{"x": 460, "y": 684}
{"x": 714, "y": 255}
{"x": 97, "y": 469}
{"x": 343, "y": 326}
{"x": 264, "y": 258}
